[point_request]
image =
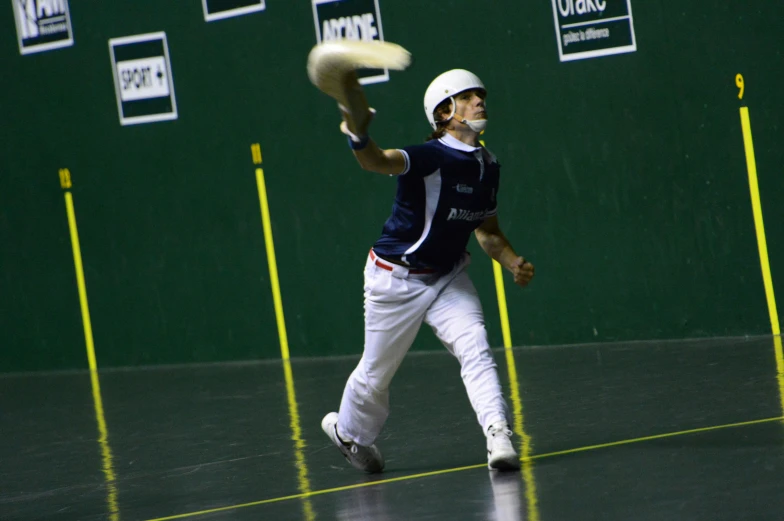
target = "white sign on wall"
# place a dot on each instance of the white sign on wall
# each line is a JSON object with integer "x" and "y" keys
{"x": 42, "y": 25}
{"x": 220, "y": 9}
{"x": 350, "y": 20}
{"x": 142, "y": 78}
{"x": 593, "y": 28}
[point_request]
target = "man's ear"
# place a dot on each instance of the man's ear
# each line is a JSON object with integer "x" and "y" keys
{"x": 445, "y": 114}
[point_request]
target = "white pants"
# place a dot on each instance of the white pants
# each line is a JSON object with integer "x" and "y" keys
{"x": 396, "y": 303}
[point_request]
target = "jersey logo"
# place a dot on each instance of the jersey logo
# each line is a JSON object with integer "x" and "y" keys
{"x": 457, "y": 214}
{"x": 464, "y": 189}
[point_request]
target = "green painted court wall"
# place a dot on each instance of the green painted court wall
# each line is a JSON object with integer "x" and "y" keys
{"x": 623, "y": 179}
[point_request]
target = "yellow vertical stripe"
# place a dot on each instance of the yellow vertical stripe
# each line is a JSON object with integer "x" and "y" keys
{"x": 273, "y": 266}
{"x": 779, "y": 368}
{"x": 77, "y": 256}
{"x": 525, "y": 440}
{"x": 502, "y": 311}
{"x": 498, "y": 274}
{"x": 517, "y": 403}
{"x": 751, "y": 165}
{"x": 299, "y": 443}
{"x": 103, "y": 433}
{"x": 107, "y": 460}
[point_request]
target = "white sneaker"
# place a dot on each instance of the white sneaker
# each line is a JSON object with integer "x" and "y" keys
{"x": 501, "y": 455}
{"x": 368, "y": 459}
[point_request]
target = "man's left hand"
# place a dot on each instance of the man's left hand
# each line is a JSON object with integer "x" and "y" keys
{"x": 523, "y": 271}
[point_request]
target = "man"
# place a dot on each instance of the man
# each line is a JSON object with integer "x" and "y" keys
{"x": 415, "y": 272}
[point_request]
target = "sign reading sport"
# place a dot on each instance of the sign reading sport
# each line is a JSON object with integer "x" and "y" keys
{"x": 142, "y": 78}
{"x": 592, "y": 28}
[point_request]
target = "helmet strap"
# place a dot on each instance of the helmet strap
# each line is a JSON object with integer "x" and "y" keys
{"x": 452, "y": 114}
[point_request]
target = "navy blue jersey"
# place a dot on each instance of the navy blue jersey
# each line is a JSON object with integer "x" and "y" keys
{"x": 447, "y": 190}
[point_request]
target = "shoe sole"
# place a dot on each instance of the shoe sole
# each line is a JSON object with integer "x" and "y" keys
{"x": 504, "y": 465}
{"x": 329, "y": 427}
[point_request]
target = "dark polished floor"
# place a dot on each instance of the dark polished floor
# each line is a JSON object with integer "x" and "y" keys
{"x": 645, "y": 431}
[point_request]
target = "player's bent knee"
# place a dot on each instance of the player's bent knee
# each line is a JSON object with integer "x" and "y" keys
{"x": 378, "y": 386}
{"x": 472, "y": 344}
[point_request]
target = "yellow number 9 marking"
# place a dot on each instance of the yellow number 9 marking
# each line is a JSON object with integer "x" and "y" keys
{"x": 740, "y": 84}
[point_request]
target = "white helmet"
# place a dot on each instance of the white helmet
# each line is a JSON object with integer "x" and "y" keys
{"x": 446, "y": 86}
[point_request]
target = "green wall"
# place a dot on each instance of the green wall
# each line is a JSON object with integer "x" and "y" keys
{"x": 624, "y": 180}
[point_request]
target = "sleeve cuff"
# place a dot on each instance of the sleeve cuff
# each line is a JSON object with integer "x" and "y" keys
{"x": 407, "y": 160}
